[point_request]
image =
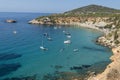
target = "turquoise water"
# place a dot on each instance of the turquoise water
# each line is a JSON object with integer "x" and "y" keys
{"x": 28, "y": 39}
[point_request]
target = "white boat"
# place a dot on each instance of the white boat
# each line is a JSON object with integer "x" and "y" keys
{"x": 43, "y": 48}
{"x": 67, "y": 42}
{"x": 68, "y": 36}
{"x": 76, "y": 50}
{"x": 14, "y": 32}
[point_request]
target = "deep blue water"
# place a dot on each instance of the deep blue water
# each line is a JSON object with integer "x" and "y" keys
{"x": 20, "y": 53}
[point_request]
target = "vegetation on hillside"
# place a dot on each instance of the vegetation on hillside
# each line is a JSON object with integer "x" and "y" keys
{"x": 93, "y": 9}
{"x": 82, "y": 14}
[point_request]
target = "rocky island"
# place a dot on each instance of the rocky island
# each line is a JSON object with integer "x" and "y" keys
{"x": 10, "y": 21}
{"x": 96, "y": 17}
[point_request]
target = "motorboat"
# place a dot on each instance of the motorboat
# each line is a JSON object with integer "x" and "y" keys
{"x": 43, "y": 48}
{"x": 67, "y": 42}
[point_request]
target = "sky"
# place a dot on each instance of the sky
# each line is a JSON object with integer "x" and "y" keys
{"x": 51, "y": 6}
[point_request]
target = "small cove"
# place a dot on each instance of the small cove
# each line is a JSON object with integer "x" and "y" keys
{"x": 33, "y": 61}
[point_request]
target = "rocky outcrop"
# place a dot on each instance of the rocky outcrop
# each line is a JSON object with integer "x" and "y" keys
{"x": 11, "y": 21}
{"x": 69, "y": 20}
{"x": 110, "y": 39}
{"x": 103, "y": 41}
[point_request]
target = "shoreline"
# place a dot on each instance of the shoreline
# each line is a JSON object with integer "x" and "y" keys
{"x": 96, "y": 26}
{"x": 111, "y": 71}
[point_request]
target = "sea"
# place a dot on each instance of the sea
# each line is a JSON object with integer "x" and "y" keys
{"x": 21, "y": 55}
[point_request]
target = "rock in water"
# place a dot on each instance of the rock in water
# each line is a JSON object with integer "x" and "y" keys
{"x": 6, "y": 69}
{"x": 11, "y": 21}
{"x": 5, "y": 56}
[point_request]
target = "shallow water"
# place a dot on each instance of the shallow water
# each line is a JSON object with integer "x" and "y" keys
{"x": 28, "y": 39}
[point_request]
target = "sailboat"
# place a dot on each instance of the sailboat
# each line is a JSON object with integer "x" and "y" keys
{"x": 42, "y": 46}
{"x": 68, "y": 35}
{"x": 49, "y": 37}
{"x": 67, "y": 42}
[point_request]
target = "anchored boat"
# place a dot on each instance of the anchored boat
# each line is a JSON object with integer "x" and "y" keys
{"x": 67, "y": 42}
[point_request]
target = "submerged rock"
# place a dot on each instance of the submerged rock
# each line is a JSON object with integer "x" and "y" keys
{"x": 62, "y": 76}
{"x": 76, "y": 68}
{"x": 5, "y": 56}
{"x": 11, "y": 21}
{"x": 93, "y": 48}
{"x": 58, "y": 66}
{"x": 80, "y": 67}
{"x": 6, "y": 69}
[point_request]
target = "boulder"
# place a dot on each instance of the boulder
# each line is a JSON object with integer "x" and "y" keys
{"x": 11, "y": 21}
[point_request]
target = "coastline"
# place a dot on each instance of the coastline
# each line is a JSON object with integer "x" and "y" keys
{"x": 112, "y": 71}
{"x": 89, "y": 24}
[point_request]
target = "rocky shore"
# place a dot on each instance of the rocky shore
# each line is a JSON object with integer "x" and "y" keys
{"x": 112, "y": 72}
{"x": 92, "y": 23}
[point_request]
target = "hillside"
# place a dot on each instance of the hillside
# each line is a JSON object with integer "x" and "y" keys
{"x": 94, "y": 13}
{"x": 93, "y": 9}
